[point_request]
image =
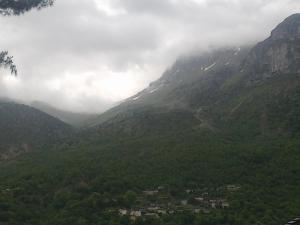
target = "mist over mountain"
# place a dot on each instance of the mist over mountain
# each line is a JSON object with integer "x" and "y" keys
{"x": 219, "y": 87}
{"x": 71, "y": 118}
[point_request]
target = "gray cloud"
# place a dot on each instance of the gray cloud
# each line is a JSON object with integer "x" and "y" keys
{"x": 85, "y": 55}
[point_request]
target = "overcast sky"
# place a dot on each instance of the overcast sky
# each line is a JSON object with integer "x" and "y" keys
{"x": 86, "y": 55}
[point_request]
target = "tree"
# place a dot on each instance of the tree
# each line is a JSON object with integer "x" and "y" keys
{"x": 17, "y": 7}
{"x": 129, "y": 198}
{"x": 6, "y": 61}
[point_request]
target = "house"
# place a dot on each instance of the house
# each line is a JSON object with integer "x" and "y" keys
{"x": 152, "y": 215}
{"x": 233, "y": 187}
{"x": 171, "y": 212}
{"x": 150, "y": 193}
{"x": 199, "y": 199}
{"x": 160, "y": 188}
{"x": 197, "y": 211}
{"x": 213, "y": 203}
{"x": 188, "y": 191}
{"x": 162, "y": 212}
{"x": 123, "y": 212}
{"x": 154, "y": 208}
{"x": 295, "y": 221}
{"x": 225, "y": 205}
{"x": 184, "y": 202}
{"x": 136, "y": 213}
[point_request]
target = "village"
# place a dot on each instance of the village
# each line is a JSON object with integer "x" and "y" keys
{"x": 159, "y": 202}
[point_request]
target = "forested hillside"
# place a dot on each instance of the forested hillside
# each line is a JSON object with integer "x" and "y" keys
{"x": 25, "y": 129}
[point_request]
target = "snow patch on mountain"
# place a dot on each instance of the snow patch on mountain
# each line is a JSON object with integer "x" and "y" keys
{"x": 210, "y": 67}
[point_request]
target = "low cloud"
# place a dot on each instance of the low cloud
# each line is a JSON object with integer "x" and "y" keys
{"x": 87, "y": 55}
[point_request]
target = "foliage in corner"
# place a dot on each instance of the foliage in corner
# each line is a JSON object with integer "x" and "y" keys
{"x": 6, "y": 61}
{"x": 17, "y": 7}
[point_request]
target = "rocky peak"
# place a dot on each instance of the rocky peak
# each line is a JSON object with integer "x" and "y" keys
{"x": 279, "y": 54}
{"x": 288, "y": 29}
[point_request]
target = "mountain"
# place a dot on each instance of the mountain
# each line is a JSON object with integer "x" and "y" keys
{"x": 224, "y": 88}
{"x": 191, "y": 83}
{"x": 220, "y": 127}
{"x": 74, "y": 119}
{"x": 24, "y": 129}
{"x": 279, "y": 54}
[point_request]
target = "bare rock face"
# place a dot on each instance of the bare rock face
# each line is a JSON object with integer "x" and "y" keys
{"x": 14, "y": 151}
{"x": 288, "y": 29}
{"x": 279, "y": 54}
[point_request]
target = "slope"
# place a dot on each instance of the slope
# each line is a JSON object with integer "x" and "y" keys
{"x": 24, "y": 129}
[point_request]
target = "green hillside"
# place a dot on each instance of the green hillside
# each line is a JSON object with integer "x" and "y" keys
{"x": 25, "y": 129}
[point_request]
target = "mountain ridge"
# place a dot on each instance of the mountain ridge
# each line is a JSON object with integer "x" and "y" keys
{"x": 205, "y": 85}
{"x": 25, "y": 129}
{"x": 279, "y": 53}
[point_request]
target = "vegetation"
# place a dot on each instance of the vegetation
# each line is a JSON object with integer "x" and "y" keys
{"x": 17, "y": 7}
{"x": 7, "y": 61}
{"x": 87, "y": 179}
{"x": 25, "y": 129}
{"x": 80, "y": 182}
{"x": 8, "y": 7}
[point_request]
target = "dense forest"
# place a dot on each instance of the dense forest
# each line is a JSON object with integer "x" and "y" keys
{"x": 88, "y": 182}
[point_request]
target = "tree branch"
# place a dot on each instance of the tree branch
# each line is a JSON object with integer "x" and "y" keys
{"x": 17, "y": 7}
{"x": 6, "y": 61}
